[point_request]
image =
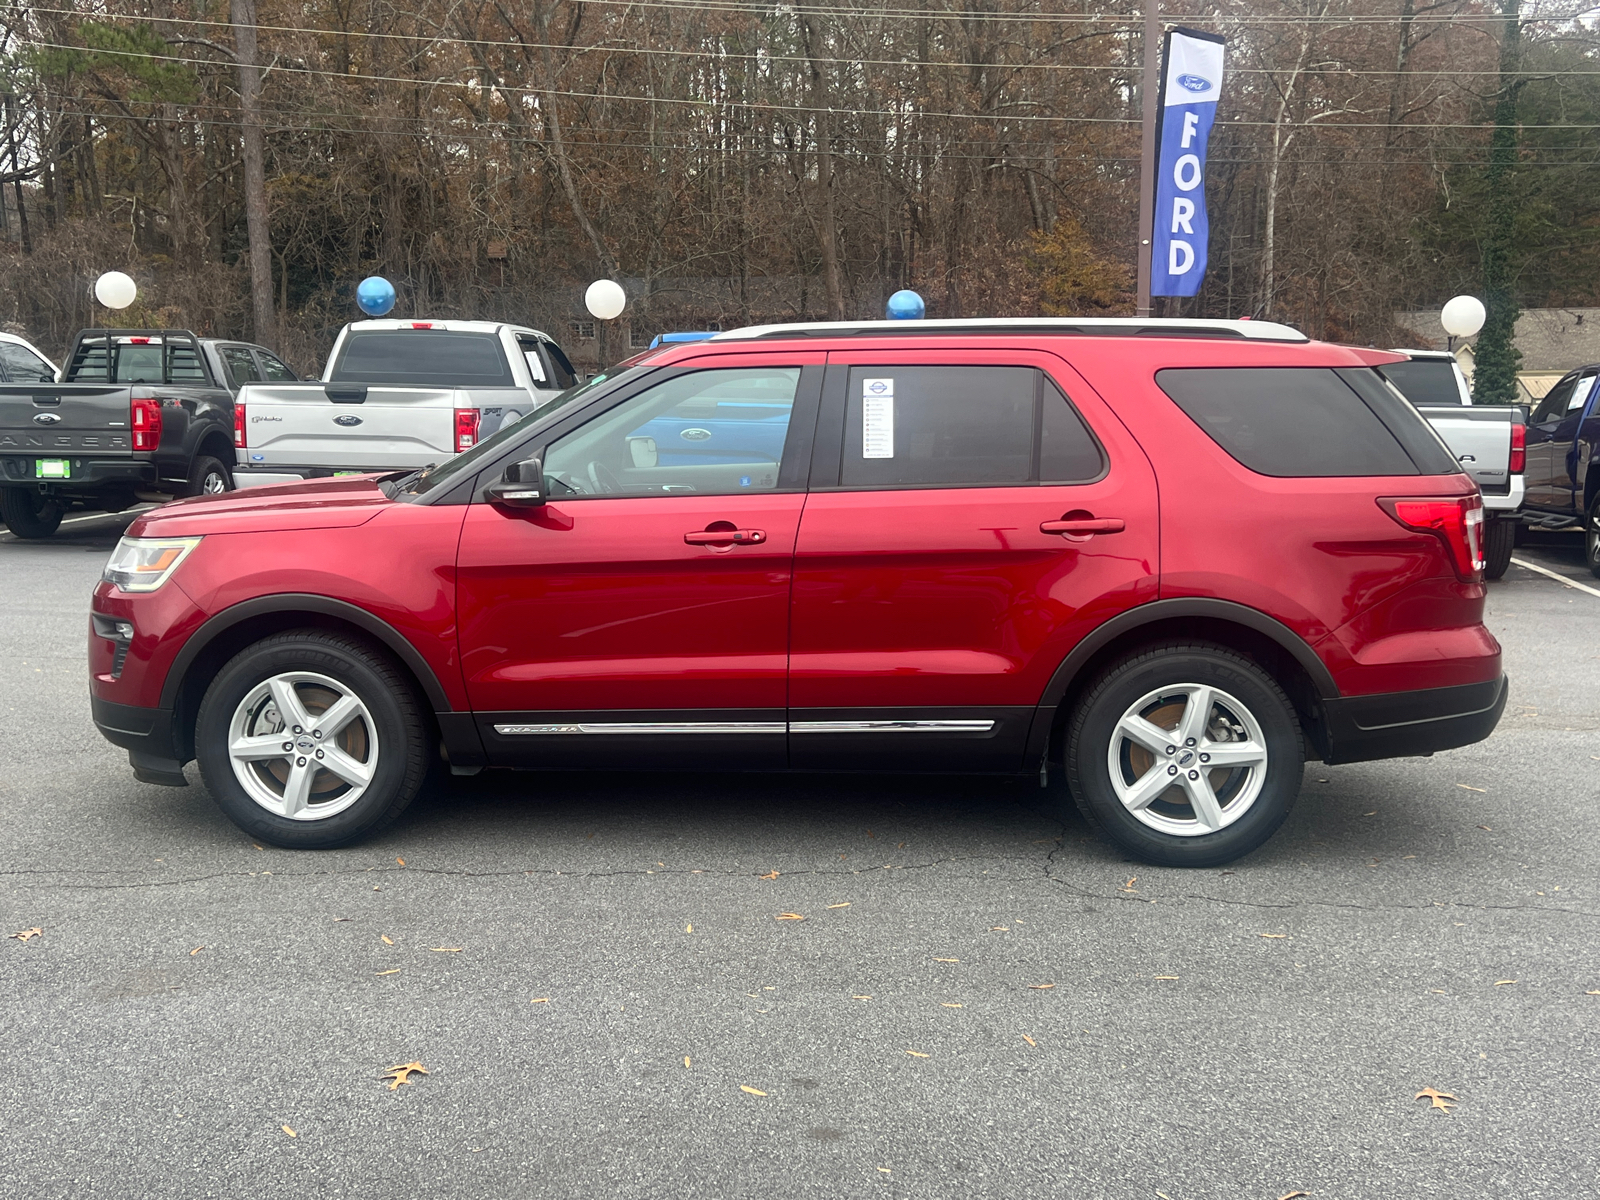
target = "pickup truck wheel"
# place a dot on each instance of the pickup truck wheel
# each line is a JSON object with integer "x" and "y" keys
{"x": 209, "y": 477}
{"x": 311, "y": 740}
{"x": 29, "y": 514}
{"x": 1185, "y": 755}
{"x": 1499, "y": 538}
{"x": 1591, "y": 538}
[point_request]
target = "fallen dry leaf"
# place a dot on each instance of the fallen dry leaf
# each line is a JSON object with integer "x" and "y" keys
{"x": 846, "y": 904}
{"x": 289, "y": 1131}
{"x": 947, "y": 960}
{"x": 1272, "y": 935}
{"x": 1292, "y": 1195}
{"x": 1129, "y": 885}
{"x": 1592, "y": 993}
{"x": 1041, "y": 987}
{"x": 918, "y": 1054}
{"x": 1485, "y": 828}
{"x": 788, "y": 917}
{"x": 446, "y": 949}
{"x": 27, "y": 933}
{"x": 1168, "y": 977}
{"x": 861, "y": 997}
{"x": 1436, "y": 1099}
{"x": 999, "y": 929}
{"x": 403, "y": 1073}
{"x": 886, "y": 1170}
{"x": 1029, "y": 1040}
{"x": 1470, "y": 788}
{"x": 195, "y": 951}
{"x": 401, "y": 861}
{"x": 393, "y": 971}
{"x": 258, "y": 847}
{"x": 770, "y": 875}
{"x": 387, "y": 940}
{"x": 947, "y": 1004}
{"x": 686, "y": 1062}
{"x": 1503, "y": 982}
{"x": 745, "y": 1087}
{"x": 540, "y": 1000}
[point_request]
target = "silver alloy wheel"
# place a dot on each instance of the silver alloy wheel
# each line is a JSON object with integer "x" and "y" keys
{"x": 303, "y": 746}
{"x": 1188, "y": 759}
{"x": 214, "y": 484}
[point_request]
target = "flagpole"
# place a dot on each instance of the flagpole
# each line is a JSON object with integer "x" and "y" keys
{"x": 1147, "y": 154}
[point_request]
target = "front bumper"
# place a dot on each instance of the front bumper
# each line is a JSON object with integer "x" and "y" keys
{"x": 1408, "y": 724}
{"x": 146, "y": 734}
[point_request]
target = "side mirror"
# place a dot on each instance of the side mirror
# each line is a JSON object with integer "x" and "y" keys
{"x": 522, "y": 486}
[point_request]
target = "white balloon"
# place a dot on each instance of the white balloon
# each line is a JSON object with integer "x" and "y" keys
{"x": 605, "y": 299}
{"x": 115, "y": 290}
{"x": 1462, "y": 316}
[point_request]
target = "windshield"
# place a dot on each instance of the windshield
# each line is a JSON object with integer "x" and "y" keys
{"x": 461, "y": 465}
{"x": 423, "y": 358}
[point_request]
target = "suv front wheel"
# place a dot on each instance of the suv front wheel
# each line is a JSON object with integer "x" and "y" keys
{"x": 1185, "y": 755}
{"x": 310, "y": 739}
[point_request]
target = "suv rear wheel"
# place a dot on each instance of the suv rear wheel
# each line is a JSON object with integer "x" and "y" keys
{"x": 311, "y": 740}
{"x": 1185, "y": 755}
{"x": 29, "y": 514}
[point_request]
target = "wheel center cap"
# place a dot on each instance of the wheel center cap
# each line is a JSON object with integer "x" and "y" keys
{"x": 305, "y": 745}
{"x": 1185, "y": 758}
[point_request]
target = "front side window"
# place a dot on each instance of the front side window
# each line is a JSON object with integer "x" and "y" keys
{"x": 1554, "y": 403}
{"x": 716, "y": 432}
{"x": 24, "y": 366}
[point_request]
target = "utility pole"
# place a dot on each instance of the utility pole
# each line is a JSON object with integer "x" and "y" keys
{"x": 258, "y": 226}
{"x": 1147, "y": 155}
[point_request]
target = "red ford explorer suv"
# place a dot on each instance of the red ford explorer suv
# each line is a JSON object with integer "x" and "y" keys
{"x": 1157, "y": 564}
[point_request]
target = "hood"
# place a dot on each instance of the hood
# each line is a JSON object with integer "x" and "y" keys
{"x": 309, "y": 504}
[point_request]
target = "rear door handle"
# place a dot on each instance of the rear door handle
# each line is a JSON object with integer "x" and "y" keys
{"x": 1083, "y": 526}
{"x": 726, "y": 537}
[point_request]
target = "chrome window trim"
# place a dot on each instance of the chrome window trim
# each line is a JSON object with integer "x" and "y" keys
{"x": 641, "y": 727}
{"x": 890, "y": 726}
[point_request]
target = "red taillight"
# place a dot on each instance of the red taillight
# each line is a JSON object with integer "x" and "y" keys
{"x": 1519, "y": 448}
{"x": 145, "y": 417}
{"x": 138, "y": 341}
{"x": 1456, "y": 520}
{"x": 239, "y": 438}
{"x": 466, "y": 428}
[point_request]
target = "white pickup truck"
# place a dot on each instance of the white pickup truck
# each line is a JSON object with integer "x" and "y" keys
{"x": 1488, "y": 440}
{"x": 396, "y": 394}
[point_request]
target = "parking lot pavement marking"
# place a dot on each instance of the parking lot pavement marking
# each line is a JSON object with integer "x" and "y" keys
{"x": 1556, "y": 575}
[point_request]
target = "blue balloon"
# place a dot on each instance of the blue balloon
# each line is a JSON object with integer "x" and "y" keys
{"x": 906, "y": 305}
{"x": 375, "y": 295}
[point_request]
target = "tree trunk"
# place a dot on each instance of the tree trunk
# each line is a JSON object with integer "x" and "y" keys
{"x": 258, "y": 225}
{"x": 1494, "y": 378}
{"x": 829, "y": 234}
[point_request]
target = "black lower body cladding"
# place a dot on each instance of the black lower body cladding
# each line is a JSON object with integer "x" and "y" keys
{"x": 1408, "y": 724}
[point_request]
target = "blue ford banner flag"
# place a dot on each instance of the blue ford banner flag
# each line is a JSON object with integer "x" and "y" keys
{"x": 1191, "y": 81}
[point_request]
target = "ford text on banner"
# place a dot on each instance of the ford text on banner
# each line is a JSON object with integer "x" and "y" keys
{"x": 1191, "y": 81}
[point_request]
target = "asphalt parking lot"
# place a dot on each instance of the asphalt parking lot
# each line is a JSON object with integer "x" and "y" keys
{"x": 981, "y": 1000}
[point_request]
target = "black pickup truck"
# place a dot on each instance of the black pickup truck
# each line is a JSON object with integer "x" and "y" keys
{"x": 1563, "y": 468}
{"x": 139, "y": 415}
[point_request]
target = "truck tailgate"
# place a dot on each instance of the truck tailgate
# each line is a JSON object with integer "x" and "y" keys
{"x": 1480, "y": 438}
{"x": 63, "y": 419}
{"x": 298, "y": 425}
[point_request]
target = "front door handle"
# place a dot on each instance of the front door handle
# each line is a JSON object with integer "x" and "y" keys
{"x": 1083, "y": 526}
{"x": 726, "y": 537}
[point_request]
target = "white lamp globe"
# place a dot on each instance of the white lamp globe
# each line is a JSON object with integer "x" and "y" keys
{"x": 605, "y": 299}
{"x": 1462, "y": 316}
{"x": 115, "y": 290}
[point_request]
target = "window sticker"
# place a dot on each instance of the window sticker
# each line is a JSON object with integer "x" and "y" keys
{"x": 877, "y": 418}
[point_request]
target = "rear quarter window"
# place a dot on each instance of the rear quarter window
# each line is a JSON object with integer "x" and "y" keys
{"x": 1294, "y": 422}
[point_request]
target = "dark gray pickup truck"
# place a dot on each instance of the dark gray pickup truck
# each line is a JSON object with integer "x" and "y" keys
{"x": 139, "y": 415}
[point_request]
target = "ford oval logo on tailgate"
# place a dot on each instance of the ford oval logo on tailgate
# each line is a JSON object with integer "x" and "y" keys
{"x": 347, "y": 420}
{"x": 695, "y": 435}
{"x": 46, "y": 419}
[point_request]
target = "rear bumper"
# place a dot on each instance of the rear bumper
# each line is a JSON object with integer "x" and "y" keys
{"x": 1508, "y": 501}
{"x": 146, "y": 734}
{"x": 253, "y": 476}
{"x": 1407, "y": 724}
{"x": 87, "y": 473}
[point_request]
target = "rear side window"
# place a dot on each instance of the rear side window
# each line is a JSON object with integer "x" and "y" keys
{"x": 241, "y": 364}
{"x": 1304, "y": 421}
{"x": 275, "y": 369}
{"x": 24, "y": 366}
{"x": 1424, "y": 381}
{"x": 961, "y": 426}
{"x": 423, "y": 358}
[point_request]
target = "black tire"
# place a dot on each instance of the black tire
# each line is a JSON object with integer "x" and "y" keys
{"x": 1089, "y": 737}
{"x": 1591, "y": 538}
{"x": 404, "y": 744}
{"x": 29, "y": 514}
{"x": 1519, "y": 533}
{"x": 209, "y": 477}
{"x": 1499, "y": 538}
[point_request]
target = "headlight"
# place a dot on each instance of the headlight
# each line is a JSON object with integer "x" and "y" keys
{"x": 144, "y": 564}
